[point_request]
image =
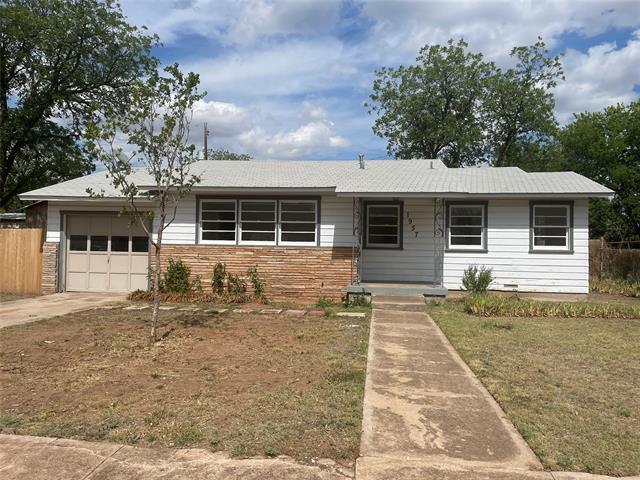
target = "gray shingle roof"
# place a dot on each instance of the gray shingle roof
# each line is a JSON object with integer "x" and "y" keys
{"x": 384, "y": 177}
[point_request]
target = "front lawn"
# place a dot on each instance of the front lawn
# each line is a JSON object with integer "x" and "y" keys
{"x": 248, "y": 384}
{"x": 571, "y": 386}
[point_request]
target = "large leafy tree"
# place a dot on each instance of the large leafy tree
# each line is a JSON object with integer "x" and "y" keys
{"x": 605, "y": 146}
{"x": 156, "y": 130}
{"x": 58, "y": 59}
{"x": 224, "y": 154}
{"x": 518, "y": 105}
{"x": 430, "y": 109}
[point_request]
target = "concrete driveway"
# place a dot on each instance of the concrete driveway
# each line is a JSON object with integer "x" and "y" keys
{"x": 38, "y": 308}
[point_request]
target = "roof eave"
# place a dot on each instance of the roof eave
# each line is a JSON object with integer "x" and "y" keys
{"x": 476, "y": 195}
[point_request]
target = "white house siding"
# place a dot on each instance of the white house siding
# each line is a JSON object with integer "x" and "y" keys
{"x": 336, "y": 218}
{"x": 415, "y": 262}
{"x": 508, "y": 253}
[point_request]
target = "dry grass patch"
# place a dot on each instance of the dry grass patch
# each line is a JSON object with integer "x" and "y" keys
{"x": 247, "y": 384}
{"x": 571, "y": 386}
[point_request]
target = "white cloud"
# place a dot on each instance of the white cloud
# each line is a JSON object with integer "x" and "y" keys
{"x": 223, "y": 119}
{"x": 316, "y": 133}
{"x": 602, "y": 76}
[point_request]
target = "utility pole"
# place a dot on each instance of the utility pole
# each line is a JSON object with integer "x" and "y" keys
{"x": 206, "y": 141}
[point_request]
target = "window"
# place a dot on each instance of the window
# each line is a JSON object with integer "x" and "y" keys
{"x": 78, "y": 243}
{"x": 99, "y": 243}
{"x": 550, "y": 227}
{"x": 297, "y": 222}
{"x": 383, "y": 225}
{"x": 258, "y": 221}
{"x": 467, "y": 226}
{"x": 218, "y": 221}
{"x": 119, "y": 244}
{"x": 139, "y": 244}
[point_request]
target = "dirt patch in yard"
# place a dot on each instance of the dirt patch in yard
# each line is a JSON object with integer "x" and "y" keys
{"x": 247, "y": 384}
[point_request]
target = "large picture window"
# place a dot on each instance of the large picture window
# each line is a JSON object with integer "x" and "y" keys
{"x": 466, "y": 226}
{"x": 550, "y": 227}
{"x": 218, "y": 221}
{"x": 298, "y": 223}
{"x": 258, "y": 221}
{"x": 383, "y": 228}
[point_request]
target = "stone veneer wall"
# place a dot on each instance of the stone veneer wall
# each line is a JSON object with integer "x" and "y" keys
{"x": 49, "y": 267}
{"x": 289, "y": 272}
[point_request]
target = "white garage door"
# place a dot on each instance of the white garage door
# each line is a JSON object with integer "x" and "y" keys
{"x": 105, "y": 253}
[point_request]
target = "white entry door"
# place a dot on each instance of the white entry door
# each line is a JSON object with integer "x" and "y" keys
{"x": 105, "y": 253}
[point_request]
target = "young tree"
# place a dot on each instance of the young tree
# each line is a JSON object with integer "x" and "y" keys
{"x": 518, "y": 106}
{"x": 58, "y": 57}
{"x": 156, "y": 127}
{"x": 223, "y": 154}
{"x": 430, "y": 109}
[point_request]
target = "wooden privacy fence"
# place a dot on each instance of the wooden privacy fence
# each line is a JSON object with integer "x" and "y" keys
{"x": 609, "y": 260}
{"x": 21, "y": 261}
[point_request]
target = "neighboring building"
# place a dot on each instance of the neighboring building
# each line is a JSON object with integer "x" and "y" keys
{"x": 12, "y": 220}
{"x": 319, "y": 228}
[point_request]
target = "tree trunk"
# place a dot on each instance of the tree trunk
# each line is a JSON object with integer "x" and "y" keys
{"x": 156, "y": 290}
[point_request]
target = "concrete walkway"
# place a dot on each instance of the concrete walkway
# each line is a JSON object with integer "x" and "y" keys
{"x": 38, "y": 308}
{"x": 39, "y": 458}
{"x": 426, "y": 415}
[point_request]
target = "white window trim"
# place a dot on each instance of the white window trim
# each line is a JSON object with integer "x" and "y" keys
{"x": 483, "y": 226}
{"x": 275, "y": 221}
{"x": 279, "y": 223}
{"x": 567, "y": 227}
{"x": 200, "y": 222}
{"x": 396, "y": 245}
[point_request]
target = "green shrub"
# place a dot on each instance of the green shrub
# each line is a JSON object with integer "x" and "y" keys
{"x": 357, "y": 301}
{"x": 324, "y": 302}
{"x": 512, "y": 306}
{"x": 236, "y": 286}
{"x": 175, "y": 279}
{"x": 257, "y": 283}
{"x": 217, "y": 281}
{"x": 476, "y": 279}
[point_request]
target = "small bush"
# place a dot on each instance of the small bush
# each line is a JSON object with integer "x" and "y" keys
{"x": 257, "y": 283}
{"x": 511, "y": 306}
{"x": 324, "y": 303}
{"x": 476, "y": 279}
{"x": 236, "y": 286}
{"x": 217, "y": 281}
{"x": 356, "y": 301}
{"x": 175, "y": 279}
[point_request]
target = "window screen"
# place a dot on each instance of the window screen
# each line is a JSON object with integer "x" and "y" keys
{"x": 258, "y": 221}
{"x": 297, "y": 222}
{"x": 550, "y": 227}
{"x": 383, "y": 226}
{"x": 218, "y": 221}
{"x": 466, "y": 227}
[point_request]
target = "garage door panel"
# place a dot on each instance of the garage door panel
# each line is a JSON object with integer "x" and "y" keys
{"x": 98, "y": 263}
{"x": 77, "y": 281}
{"x": 120, "y": 264}
{"x": 97, "y": 281}
{"x": 119, "y": 282}
{"x": 78, "y": 262}
{"x": 139, "y": 264}
{"x": 100, "y": 225}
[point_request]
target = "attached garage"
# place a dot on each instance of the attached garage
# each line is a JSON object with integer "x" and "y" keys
{"x": 104, "y": 253}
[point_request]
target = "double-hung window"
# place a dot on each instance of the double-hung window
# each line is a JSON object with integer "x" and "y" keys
{"x": 466, "y": 226}
{"x": 258, "y": 222}
{"x": 383, "y": 225}
{"x": 550, "y": 227}
{"x": 298, "y": 222}
{"x": 218, "y": 221}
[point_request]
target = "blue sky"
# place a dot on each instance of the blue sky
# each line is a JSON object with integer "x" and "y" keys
{"x": 287, "y": 79}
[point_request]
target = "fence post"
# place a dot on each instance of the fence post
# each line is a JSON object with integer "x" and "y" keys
{"x": 602, "y": 246}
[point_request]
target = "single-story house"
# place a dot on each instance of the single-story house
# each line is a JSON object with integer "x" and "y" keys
{"x": 322, "y": 228}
